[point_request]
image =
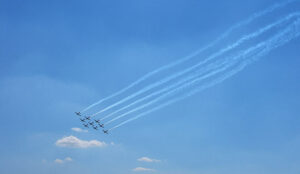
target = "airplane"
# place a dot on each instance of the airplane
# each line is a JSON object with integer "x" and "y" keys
{"x": 101, "y": 125}
{"x": 88, "y": 117}
{"x": 105, "y": 131}
{"x": 97, "y": 121}
{"x": 82, "y": 120}
{"x": 95, "y": 127}
{"x": 78, "y": 113}
{"x": 91, "y": 123}
{"x": 86, "y": 125}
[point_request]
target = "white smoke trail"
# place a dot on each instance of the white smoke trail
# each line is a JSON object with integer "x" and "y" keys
{"x": 224, "y": 66}
{"x": 152, "y": 95}
{"x": 247, "y": 37}
{"x": 150, "y": 74}
{"x": 168, "y": 93}
{"x": 289, "y": 33}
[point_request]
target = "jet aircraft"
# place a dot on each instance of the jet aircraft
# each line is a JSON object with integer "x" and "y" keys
{"x": 78, "y": 113}
{"x": 86, "y": 125}
{"x": 101, "y": 125}
{"x": 95, "y": 127}
{"x": 88, "y": 117}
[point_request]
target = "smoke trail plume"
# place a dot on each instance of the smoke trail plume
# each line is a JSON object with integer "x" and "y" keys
{"x": 284, "y": 36}
{"x": 180, "y": 61}
{"x": 247, "y": 37}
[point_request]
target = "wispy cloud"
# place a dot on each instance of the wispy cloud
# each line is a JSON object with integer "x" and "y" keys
{"x": 74, "y": 142}
{"x": 147, "y": 159}
{"x": 62, "y": 161}
{"x": 142, "y": 169}
{"x": 77, "y": 129}
{"x": 59, "y": 161}
{"x": 68, "y": 159}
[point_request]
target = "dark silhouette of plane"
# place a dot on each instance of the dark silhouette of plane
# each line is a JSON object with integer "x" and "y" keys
{"x": 88, "y": 117}
{"x": 101, "y": 125}
{"x": 105, "y": 131}
{"x": 86, "y": 125}
{"x": 95, "y": 127}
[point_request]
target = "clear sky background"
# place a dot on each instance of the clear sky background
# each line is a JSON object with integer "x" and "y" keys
{"x": 58, "y": 57}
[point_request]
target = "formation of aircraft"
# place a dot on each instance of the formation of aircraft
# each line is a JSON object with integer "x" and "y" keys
{"x": 86, "y": 121}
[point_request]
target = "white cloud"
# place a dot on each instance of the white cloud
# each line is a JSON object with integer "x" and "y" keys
{"x": 61, "y": 161}
{"x": 74, "y": 142}
{"x": 58, "y": 161}
{"x": 77, "y": 129}
{"x": 68, "y": 159}
{"x": 149, "y": 160}
{"x": 142, "y": 169}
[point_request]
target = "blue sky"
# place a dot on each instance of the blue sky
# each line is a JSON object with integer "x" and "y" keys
{"x": 58, "y": 57}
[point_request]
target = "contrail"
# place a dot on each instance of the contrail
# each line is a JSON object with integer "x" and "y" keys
{"x": 257, "y": 33}
{"x": 150, "y": 74}
{"x": 242, "y": 54}
{"x": 222, "y": 51}
{"x": 151, "y": 95}
{"x": 291, "y": 32}
{"x": 183, "y": 81}
{"x": 168, "y": 93}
